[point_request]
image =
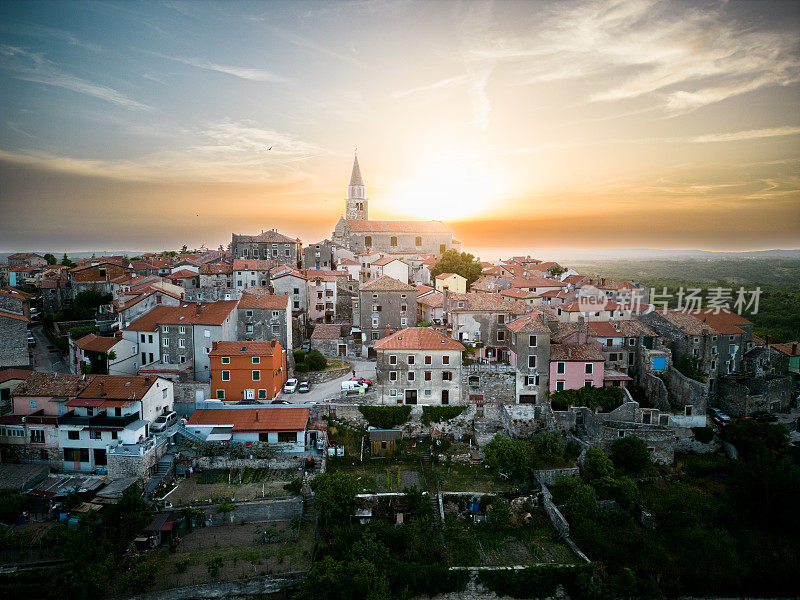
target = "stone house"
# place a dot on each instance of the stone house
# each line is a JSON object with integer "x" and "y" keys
{"x": 249, "y": 273}
{"x": 390, "y": 267}
{"x": 96, "y": 276}
{"x": 216, "y": 281}
{"x": 13, "y": 339}
{"x": 573, "y": 366}
{"x": 530, "y": 355}
{"x": 319, "y": 256}
{"x": 322, "y": 291}
{"x": 429, "y": 308}
{"x": 333, "y": 339}
{"x": 265, "y": 317}
{"x": 10, "y": 379}
{"x": 385, "y": 305}
{"x": 27, "y": 258}
{"x": 268, "y": 245}
{"x": 419, "y": 365}
{"x": 292, "y": 282}
{"x": 94, "y": 347}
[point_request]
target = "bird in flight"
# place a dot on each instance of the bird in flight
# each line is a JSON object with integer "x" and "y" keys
{"x": 270, "y": 148}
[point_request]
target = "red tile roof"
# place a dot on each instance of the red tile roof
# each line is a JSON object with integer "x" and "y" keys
{"x": 485, "y": 302}
{"x": 12, "y": 374}
{"x": 327, "y": 331}
{"x": 575, "y": 352}
{"x": 253, "y": 419}
{"x": 530, "y": 323}
{"x": 194, "y": 313}
{"x": 52, "y": 384}
{"x": 789, "y": 349}
{"x": 266, "y": 301}
{"x": 244, "y": 349}
{"x": 387, "y": 284}
{"x": 96, "y": 343}
{"x": 398, "y": 226}
{"x": 182, "y": 274}
{"x": 418, "y": 338}
{"x": 117, "y": 387}
{"x": 535, "y": 282}
{"x": 252, "y": 264}
{"x": 11, "y": 315}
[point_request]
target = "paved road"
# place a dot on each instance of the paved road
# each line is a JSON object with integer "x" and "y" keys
{"x": 45, "y": 358}
{"x": 332, "y": 390}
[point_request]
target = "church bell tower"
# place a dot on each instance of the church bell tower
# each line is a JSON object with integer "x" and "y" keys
{"x": 356, "y": 209}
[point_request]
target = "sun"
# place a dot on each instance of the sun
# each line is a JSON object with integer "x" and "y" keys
{"x": 447, "y": 190}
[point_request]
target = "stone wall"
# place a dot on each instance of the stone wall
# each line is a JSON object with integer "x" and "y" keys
{"x": 660, "y": 440}
{"x": 120, "y": 466}
{"x": 683, "y": 391}
{"x": 656, "y": 391}
{"x": 256, "y": 587}
{"x": 495, "y": 387}
{"x": 739, "y": 396}
{"x": 257, "y": 511}
{"x": 549, "y": 476}
{"x": 13, "y": 343}
{"x": 327, "y": 375}
{"x": 223, "y": 462}
{"x": 521, "y": 420}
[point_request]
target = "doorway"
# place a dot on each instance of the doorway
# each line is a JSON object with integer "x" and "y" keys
{"x": 411, "y": 396}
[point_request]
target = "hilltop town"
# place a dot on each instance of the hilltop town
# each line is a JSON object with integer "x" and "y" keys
{"x": 379, "y": 414}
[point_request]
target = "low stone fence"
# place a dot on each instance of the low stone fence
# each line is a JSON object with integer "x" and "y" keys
{"x": 223, "y": 462}
{"x": 549, "y": 476}
{"x": 257, "y": 586}
{"x": 327, "y": 375}
{"x": 257, "y": 511}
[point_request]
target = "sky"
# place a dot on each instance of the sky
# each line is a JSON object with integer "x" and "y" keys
{"x": 635, "y": 124}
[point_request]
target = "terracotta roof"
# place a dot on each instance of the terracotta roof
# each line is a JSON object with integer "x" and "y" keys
{"x": 723, "y": 320}
{"x": 531, "y": 323}
{"x": 424, "y": 289}
{"x": 15, "y": 293}
{"x": 12, "y": 374}
{"x": 434, "y": 300}
{"x": 194, "y": 313}
{"x": 485, "y": 302}
{"x": 398, "y": 226}
{"x": 183, "y": 273}
{"x": 327, "y": 331}
{"x": 96, "y": 343}
{"x": 11, "y": 315}
{"x": 117, "y": 387}
{"x": 252, "y": 264}
{"x": 535, "y": 282}
{"x": 575, "y": 352}
{"x": 447, "y": 275}
{"x": 284, "y": 271}
{"x": 574, "y": 279}
{"x": 790, "y": 349}
{"x": 266, "y": 301}
{"x": 348, "y": 261}
{"x": 243, "y": 349}
{"x": 276, "y": 418}
{"x": 383, "y": 261}
{"x": 216, "y": 268}
{"x": 52, "y": 384}
{"x": 564, "y": 331}
{"x": 387, "y": 284}
{"x": 624, "y": 328}
{"x": 271, "y": 235}
{"x": 517, "y": 293}
{"x": 418, "y": 338}
{"x": 687, "y": 323}
{"x": 23, "y": 255}
{"x": 614, "y": 375}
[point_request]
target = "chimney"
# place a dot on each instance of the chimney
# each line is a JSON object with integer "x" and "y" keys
{"x": 794, "y": 348}
{"x": 581, "y": 330}
{"x": 388, "y": 331}
{"x": 767, "y": 340}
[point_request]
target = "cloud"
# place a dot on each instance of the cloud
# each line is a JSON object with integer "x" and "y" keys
{"x": 43, "y": 31}
{"x": 241, "y": 72}
{"x": 736, "y": 136}
{"x": 436, "y": 85}
{"x": 223, "y": 151}
{"x": 33, "y": 67}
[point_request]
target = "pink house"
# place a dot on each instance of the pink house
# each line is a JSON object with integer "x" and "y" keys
{"x": 573, "y": 366}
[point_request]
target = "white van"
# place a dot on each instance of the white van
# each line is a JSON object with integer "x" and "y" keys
{"x": 350, "y": 386}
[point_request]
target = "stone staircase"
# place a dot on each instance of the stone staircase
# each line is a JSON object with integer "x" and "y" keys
{"x": 189, "y": 435}
{"x": 487, "y": 425}
{"x": 162, "y": 469}
{"x": 309, "y": 512}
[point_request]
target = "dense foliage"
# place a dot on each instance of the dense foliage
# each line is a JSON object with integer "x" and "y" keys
{"x": 519, "y": 458}
{"x": 605, "y": 398}
{"x": 309, "y": 361}
{"x": 83, "y": 307}
{"x": 439, "y": 414}
{"x": 335, "y": 495}
{"x": 540, "y": 581}
{"x": 630, "y": 453}
{"x": 461, "y": 263}
{"x": 385, "y": 417}
{"x": 689, "y": 366}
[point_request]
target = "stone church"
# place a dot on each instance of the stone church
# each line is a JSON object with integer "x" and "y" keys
{"x": 356, "y": 232}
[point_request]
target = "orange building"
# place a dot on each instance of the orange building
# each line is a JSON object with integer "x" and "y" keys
{"x": 247, "y": 370}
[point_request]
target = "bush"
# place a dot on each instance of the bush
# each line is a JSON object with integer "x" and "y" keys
{"x": 630, "y": 453}
{"x": 315, "y": 360}
{"x": 299, "y": 356}
{"x": 689, "y": 366}
{"x": 597, "y": 464}
{"x": 78, "y": 332}
{"x": 301, "y": 367}
{"x": 385, "y": 417}
{"x": 294, "y": 486}
{"x": 214, "y": 565}
{"x": 509, "y": 456}
{"x": 536, "y": 582}
{"x": 703, "y": 434}
{"x": 549, "y": 444}
{"x": 439, "y": 414}
{"x": 499, "y": 513}
{"x": 605, "y": 398}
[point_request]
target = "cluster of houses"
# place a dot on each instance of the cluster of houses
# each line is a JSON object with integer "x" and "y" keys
{"x": 220, "y": 326}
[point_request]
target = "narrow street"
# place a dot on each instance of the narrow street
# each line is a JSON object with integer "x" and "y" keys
{"x": 45, "y": 356}
{"x": 331, "y": 390}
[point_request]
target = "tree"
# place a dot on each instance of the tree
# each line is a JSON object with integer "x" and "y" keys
{"x": 110, "y": 355}
{"x": 184, "y": 249}
{"x": 461, "y": 263}
{"x": 11, "y": 506}
{"x": 66, "y": 261}
{"x": 315, "y": 360}
{"x": 509, "y": 456}
{"x": 499, "y": 513}
{"x": 549, "y": 444}
{"x": 51, "y": 260}
{"x": 630, "y": 453}
{"x": 597, "y": 464}
{"x": 335, "y": 495}
{"x": 582, "y": 503}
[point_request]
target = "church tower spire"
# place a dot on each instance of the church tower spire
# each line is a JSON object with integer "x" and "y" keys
{"x": 356, "y": 207}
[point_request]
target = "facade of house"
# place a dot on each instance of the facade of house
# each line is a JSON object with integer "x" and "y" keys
{"x": 480, "y": 320}
{"x": 268, "y": 245}
{"x": 249, "y": 273}
{"x": 385, "y": 305}
{"x": 294, "y": 283}
{"x": 285, "y": 426}
{"x": 319, "y": 256}
{"x": 13, "y": 339}
{"x": 419, "y": 365}
{"x": 452, "y": 282}
{"x": 247, "y": 370}
{"x": 573, "y": 366}
{"x": 530, "y": 355}
{"x": 265, "y": 317}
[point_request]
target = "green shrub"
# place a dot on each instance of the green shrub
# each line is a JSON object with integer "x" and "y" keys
{"x": 214, "y": 565}
{"x": 301, "y": 367}
{"x": 534, "y": 582}
{"x": 315, "y": 360}
{"x": 597, "y": 464}
{"x": 294, "y": 486}
{"x": 78, "y": 332}
{"x": 385, "y": 417}
{"x": 605, "y": 398}
{"x": 439, "y": 414}
{"x": 703, "y": 434}
{"x": 299, "y": 356}
{"x": 689, "y": 366}
{"x": 630, "y": 453}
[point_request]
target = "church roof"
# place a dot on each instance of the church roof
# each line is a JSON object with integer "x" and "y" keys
{"x": 398, "y": 226}
{"x": 355, "y": 177}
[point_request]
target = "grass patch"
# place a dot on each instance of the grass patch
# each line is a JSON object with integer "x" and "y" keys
{"x": 385, "y": 417}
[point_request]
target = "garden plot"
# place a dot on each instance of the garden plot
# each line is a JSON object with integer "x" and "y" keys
{"x": 380, "y": 475}
{"x": 242, "y": 484}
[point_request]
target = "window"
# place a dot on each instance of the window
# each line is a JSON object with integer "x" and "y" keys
{"x": 368, "y": 240}
{"x": 393, "y": 392}
{"x": 256, "y": 360}
{"x": 226, "y": 376}
{"x": 142, "y": 338}
{"x": 287, "y": 437}
{"x": 150, "y": 339}
{"x": 428, "y": 375}
{"x": 163, "y": 394}
{"x": 206, "y": 333}
{"x": 687, "y": 410}
{"x": 428, "y": 360}
{"x": 262, "y": 394}
{"x": 73, "y": 435}
{"x": 403, "y": 322}
{"x": 165, "y": 328}
{"x": 256, "y": 375}
{"x": 532, "y": 362}
{"x": 427, "y": 392}
{"x": 410, "y": 359}
{"x": 560, "y": 368}
{"x": 411, "y": 375}
{"x": 220, "y": 394}
{"x": 375, "y": 323}
{"x": 37, "y": 436}
{"x": 95, "y": 435}
{"x": 249, "y": 328}
{"x": 632, "y": 342}
{"x": 393, "y": 241}
{"x": 447, "y": 376}
{"x": 33, "y": 403}
{"x": 418, "y": 241}
{"x": 226, "y": 360}
{"x": 559, "y": 386}
{"x": 165, "y": 342}
{"x": 731, "y": 349}
{"x": 181, "y": 343}
{"x": 403, "y": 308}
{"x": 532, "y": 341}
{"x": 445, "y": 360}
{"x": 532, "y": 380}
{"x": 588, "y": 368}
{"x": 392, "y": 375}
{"x": 181, "y": 329}
{"x": 501, "y": 319}
{"x": 392, "y": 359}
{"x": 621, "y": 433}
{"x": 587, "y": 383}
{"x": 501, "y": 336}
{"x": 248, "y": 313}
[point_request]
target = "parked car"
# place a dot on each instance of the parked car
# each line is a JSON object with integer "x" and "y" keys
{"x": 164, "y": 422}
{"x": 764, "y": 416}
{"x": 31, "y": 339}
{"x": 290, "y": 387}
{"x": 304, "y": 387}
{"x": 349, "y": 386}
{"x": 306, "y": 347}
{"x": 280, "y": 402}
{"x": 721, "y": 418}
{"x": 362, "y": 380}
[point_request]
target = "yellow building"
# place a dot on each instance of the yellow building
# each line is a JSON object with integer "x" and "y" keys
{"x": 451, "y": 281}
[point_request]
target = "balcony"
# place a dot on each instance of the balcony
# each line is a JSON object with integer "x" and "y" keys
{"x": 101, "y": 420}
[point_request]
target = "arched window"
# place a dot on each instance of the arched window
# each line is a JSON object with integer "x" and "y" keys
{"x": 368, "y": 240}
